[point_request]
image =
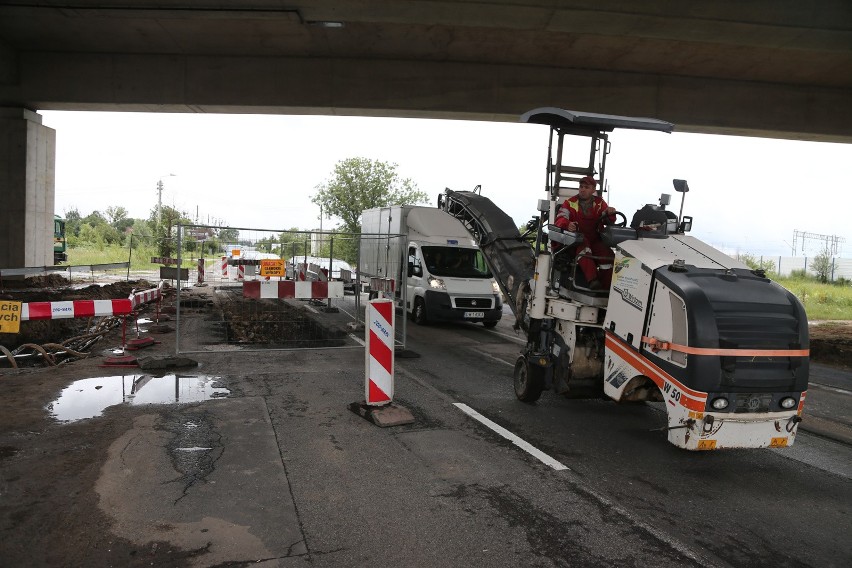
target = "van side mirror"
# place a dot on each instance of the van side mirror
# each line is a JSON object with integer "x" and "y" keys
{"x": 685, "y": 224}
{"x": 414, "y": 269}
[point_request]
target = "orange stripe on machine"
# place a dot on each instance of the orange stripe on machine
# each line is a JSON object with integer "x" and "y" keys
{"x": 688, "y": 398}
{"x": 657, "y": 344}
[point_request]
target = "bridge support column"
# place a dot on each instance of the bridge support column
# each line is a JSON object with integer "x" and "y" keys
{"x": 27, "y": 189}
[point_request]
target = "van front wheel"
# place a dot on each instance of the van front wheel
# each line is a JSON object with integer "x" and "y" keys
{"x": 419, "y": 313}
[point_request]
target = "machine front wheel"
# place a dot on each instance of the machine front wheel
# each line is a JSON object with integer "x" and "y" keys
{"x": 529, "y": 380}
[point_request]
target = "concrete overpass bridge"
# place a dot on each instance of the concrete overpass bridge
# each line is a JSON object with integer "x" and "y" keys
{"x": 772, "y": 68}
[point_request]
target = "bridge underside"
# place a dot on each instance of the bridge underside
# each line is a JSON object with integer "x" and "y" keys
{"x": 219, "y": 84}
{"x": 770, "y": 68}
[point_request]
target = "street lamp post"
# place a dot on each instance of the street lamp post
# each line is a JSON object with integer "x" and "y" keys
{"x": 160, "y": 195}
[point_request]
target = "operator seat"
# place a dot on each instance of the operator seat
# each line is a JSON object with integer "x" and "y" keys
{"x": 572, "y": 282}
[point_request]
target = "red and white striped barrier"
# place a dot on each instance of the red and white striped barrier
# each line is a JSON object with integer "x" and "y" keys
{"x": 224, "y": 266}
{"x": 258, "y": 289}
{"x": 145, "y": 296}
{"x": 378, "y": 387}
{"x": 386, "y": 285}
{"x": 75, "y": 309}
{"x": 322, "y": 273}
{"x": 200, "y": 279}
{"x": 87, "y": 308}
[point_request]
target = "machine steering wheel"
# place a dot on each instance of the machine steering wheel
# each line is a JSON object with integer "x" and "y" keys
{"x": 616, "y": 223}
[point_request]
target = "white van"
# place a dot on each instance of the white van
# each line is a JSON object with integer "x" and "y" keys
{"x": 444, "y": 271}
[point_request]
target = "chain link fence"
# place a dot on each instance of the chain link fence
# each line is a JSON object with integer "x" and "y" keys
{"x": 262, "y": 289}
{"x": 838, "y": 268}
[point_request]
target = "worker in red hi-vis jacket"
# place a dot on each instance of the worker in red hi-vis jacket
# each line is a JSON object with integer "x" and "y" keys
{"x": 584, "y": 213}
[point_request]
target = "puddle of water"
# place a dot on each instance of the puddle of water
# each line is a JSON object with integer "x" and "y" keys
{"x": 88, "y": 398}
{"x": 143, "y": 321}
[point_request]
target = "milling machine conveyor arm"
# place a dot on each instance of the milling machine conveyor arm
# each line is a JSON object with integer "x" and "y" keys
{"x": 510, "y": 258}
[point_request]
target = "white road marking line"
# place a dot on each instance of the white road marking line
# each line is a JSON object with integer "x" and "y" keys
{"x": 821, "y": 386}
{"x": 526, "y": 446}
{"x": 358, "y": 339}
{"x": 495, "y": 358}
{"x": 514, "y": 338}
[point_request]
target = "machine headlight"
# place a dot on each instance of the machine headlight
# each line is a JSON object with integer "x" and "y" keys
{"x": 495, "y": 287}
{"x": 720, "y": 403}
{"x": 437, "y": 283}
{"x": 788, "y": 402}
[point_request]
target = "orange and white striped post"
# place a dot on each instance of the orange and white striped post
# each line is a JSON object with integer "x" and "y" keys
{"x": 378, "y": 387}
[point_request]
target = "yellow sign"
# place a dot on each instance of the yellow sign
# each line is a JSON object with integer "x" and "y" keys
{"x": 706, "y": 444}
{"x": 235, "y": 253}
{"x": 778, "y": 442}
{"x": 10, "y": 316}
{"x": 272, "y": 268}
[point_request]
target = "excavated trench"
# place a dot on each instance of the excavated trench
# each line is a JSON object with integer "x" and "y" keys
{"x": 58, "y": 339}
{"x": 236, "y": 320}
{"x": 273, "y": 324}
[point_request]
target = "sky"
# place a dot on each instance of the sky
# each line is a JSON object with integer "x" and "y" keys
{"x": 747, "y": 195}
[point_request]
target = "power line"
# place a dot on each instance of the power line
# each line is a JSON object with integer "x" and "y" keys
{"x": 832, "y": 242}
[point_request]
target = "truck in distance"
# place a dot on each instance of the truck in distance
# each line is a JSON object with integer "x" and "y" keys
{"x": 431, "y": 254}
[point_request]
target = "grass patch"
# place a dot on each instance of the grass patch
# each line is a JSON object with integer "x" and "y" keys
{"x": 139, "y": 260}
{"x": 821, "y": 301}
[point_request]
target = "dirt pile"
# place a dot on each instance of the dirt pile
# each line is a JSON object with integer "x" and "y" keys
{"x": 55, "y": 288}
{"x": 831, "y": 343}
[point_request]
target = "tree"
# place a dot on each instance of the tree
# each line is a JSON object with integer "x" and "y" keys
{"x": 73, "y": 220}
{"x": 94, "y": 219}
{"x": 821, "y": 265}
{"x": 118, "y": 218}
{"x": 755, "y": 263}
{"x": 358, "y": 184}
{"x": 166, "y": 232}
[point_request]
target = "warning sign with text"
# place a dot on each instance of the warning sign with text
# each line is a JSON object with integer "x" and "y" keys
{"x": 272, "y": 267}
{"x": 10, "y": 316}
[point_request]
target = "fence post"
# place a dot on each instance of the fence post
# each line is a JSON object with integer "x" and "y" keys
{"x": 330, "y": 262}
{"x": 129, "y": 255}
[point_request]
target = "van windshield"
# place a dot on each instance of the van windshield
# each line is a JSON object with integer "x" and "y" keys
{"x": 455, "y": 261}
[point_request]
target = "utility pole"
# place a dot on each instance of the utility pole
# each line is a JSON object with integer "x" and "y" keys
{"x": 160, "y": 196}
{"x": 159, "y": 200}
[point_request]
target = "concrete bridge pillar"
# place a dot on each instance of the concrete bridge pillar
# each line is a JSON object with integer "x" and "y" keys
{"x": 27, "y": 189}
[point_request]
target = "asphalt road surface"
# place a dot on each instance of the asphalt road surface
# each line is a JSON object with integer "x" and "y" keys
{"x": 272, "y": 469}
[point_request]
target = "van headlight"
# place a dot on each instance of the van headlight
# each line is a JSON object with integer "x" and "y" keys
{"x": 495, "y": 287}
{"x": 437, "y": 283}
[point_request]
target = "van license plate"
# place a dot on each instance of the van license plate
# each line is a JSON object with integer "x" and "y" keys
{"x": 474, "y": 314}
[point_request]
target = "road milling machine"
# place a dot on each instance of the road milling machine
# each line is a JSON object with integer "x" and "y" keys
{"x": 724, "y": 348}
